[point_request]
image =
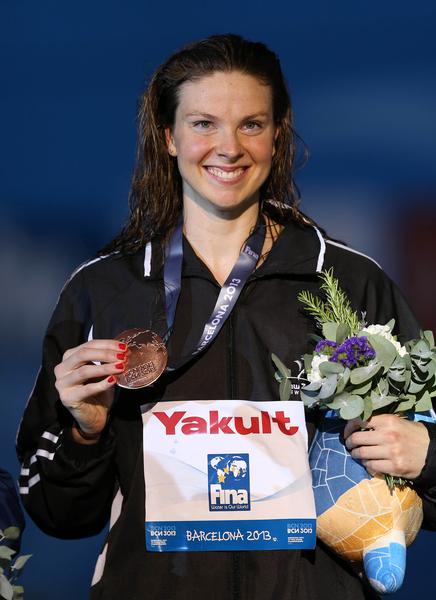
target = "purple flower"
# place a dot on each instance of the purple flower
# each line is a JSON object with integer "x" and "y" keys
{"x": 355, "y": 351}
{"x": 326, "y": 347}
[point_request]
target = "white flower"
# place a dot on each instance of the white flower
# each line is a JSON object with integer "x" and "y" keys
{"x": 314, "y": 376}
{"x": 384, "y": 331}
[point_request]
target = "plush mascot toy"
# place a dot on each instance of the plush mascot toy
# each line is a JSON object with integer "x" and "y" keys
{"x": 357, "y": 514}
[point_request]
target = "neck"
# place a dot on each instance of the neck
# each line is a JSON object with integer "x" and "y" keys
{"x": 218, "y": 238}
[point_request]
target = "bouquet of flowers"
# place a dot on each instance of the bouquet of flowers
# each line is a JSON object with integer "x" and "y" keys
{"x": 357, "y": 370}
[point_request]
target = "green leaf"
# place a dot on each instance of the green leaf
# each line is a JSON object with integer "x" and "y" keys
{"x": 328, "y": 387}
{"x": 329, "y": 331}
{"x": 18, "y": 592}
{"x": 309, "y": 399}
{"x": 307, "y": 358}
{"x": 329, "y": 368}
{"x": 391, "y": 325}
{"x": 381, "y": 400}
{"x": 285, "y": 372}
{"x": 424, "y": 403}
{"x": 6, "y": 590}
{"x": 6, "y": 552}
{"x": 367, "y": 408}
{"x": 385, "y": 350}
{"x": 349, "y": 406}
{"x": 362, "y": 374}
{"x": 363, "y": 389}
{"x": 421, "y": 350}
{"x": 12, "y": 533}
{"x": 313, "y": 386}
{"x": 343, "y": 331}
{"x": 343, "y": 380}
{"x": 20, "y": 562}
{"x": 405, "y": 405}
{"x": 285, "y": 389}
{"x": 415, "y": 388}
{"x": 428, "y": 335}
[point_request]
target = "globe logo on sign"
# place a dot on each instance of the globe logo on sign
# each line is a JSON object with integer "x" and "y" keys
{"x": 228, "y": 482}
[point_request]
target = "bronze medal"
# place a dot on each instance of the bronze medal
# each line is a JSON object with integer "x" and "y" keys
{"x": 146, "y": 358}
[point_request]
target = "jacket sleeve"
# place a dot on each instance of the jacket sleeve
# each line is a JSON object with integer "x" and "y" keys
{"x": 66, "y": 487}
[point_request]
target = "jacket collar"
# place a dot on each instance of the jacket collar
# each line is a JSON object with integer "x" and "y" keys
{"x": 299, "y": 250}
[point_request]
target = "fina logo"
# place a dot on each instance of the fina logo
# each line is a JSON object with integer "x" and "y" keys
{"x": 229, "y": 482}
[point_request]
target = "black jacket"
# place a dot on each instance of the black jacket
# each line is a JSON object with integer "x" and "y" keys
{"x": 68, "y": 489}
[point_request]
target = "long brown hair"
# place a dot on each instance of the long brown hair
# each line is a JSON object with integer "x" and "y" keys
{"x": 156, "y": 192}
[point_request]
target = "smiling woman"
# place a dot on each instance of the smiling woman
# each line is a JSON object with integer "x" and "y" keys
{"x": 212, "y": 259}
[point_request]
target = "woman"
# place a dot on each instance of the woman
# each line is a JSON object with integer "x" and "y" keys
{"x": 216, "y": 149}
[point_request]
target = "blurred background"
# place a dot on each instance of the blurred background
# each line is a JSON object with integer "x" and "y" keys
{"x": 363, "y": 83}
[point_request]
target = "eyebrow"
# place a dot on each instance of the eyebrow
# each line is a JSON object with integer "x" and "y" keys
{"x": 212, "y": 117}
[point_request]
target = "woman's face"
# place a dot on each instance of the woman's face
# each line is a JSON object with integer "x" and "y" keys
{"x": 223, "y": 137}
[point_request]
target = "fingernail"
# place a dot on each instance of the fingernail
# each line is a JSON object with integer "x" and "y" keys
{"x": 119, "y": 366}
{"x": 121, "y": 355}
{"x": 111, "y": 379}
{"x": 122, "y": 346}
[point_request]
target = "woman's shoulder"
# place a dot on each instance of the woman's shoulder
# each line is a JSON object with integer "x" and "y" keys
{"x": 116, "y": 271}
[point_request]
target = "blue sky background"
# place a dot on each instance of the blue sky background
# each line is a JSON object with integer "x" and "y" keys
{"x": 363, "y": 81}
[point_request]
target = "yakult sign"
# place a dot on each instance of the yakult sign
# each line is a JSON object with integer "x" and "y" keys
{"x": 226, "y": 475}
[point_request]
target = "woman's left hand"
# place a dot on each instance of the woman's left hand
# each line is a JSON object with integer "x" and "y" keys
{"x": 390, "y": 444}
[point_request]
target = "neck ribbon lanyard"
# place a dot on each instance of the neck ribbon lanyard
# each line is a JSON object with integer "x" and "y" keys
{"x": 230, "y": 291}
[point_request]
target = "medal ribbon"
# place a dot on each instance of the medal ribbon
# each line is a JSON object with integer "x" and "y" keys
{"x": 230, "y": 291}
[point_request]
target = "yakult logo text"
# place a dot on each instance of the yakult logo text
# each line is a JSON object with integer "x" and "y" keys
{"x": 176, "y": 422}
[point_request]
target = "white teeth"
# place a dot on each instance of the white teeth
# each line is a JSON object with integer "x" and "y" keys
{"x": 225, "y": 174}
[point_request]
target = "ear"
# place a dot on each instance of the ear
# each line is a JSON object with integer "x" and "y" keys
{"x": 172, "y": 151}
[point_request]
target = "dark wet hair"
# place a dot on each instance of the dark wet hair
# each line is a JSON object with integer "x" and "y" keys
{"x": 156, "y": 192}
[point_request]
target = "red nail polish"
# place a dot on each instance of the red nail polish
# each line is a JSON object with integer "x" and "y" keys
{"x": 122, "y": 346}
{"x": 121, "y": 355}
{"x": 119, "y": 366}
{"x": 111, "y": 379}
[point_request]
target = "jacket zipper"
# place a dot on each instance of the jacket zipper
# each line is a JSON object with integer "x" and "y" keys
{"x": 232, "y": 385}
{"x": 232, "y": 389}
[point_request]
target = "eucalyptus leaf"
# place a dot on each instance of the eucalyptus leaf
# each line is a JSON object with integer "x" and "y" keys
{"x": 415, "y": 388}
{"x": 6, "y": 553}
{"x": 367, "y": 407}
{"x": 405, "y": 405}
{"x": 20, "y": 562}
{"x": 381, "y": 400}
{"x": 284, "y": 371}
{"x": 6, "y": 590}
{"x": 313, "y": 386}
{"x": 329, "y": 368}
{"x": 343, "y": 380}
{"x": 18, "y": 592}
{"x": 328, "y": 387}
{"x": 391, "y": 325}
{"x": 329, "y": 330}
{"x": 363, "y": 389}
{"x": 307, "y": 359}
{"x": 428, "y": 335}
{"x": 362, "y": 374}
{"x": 424, "y": 403}
{"x": 309, "y": 399}
{"x": 342, "y": 333}
{"x": 349, "y": 406}
{"x": 421, "y": 349}
{"x": 385, "y": 351}
{"x": 285, "y": 389}
{"x": 12, "y": 533}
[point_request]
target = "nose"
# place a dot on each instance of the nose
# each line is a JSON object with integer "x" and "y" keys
{"x": 229, "y": 146}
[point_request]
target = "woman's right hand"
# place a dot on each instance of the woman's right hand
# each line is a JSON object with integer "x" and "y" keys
{"x": 86, "y": 389}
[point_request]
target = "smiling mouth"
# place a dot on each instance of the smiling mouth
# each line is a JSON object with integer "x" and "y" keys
{"x": 223, "y": 175}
